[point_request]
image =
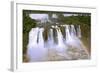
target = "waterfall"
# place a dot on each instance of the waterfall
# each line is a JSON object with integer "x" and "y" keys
{"x": 68, "y": 36}
{"x": 33, "y": 36}
{"x": 50, "y": 39}
{"x": 71, "y": 37}
{"x": 60, "y": 47}
{"x": 36, "y": 50}
{"x": 79, "y": 31}
{"x": 73, "y": 31}
{"x": 60, "y": 37}
{"x": 59, "y": 40}
{"x": 41, "y": 41}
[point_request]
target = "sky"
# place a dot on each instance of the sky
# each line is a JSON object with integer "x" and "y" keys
{"x": 39, "y": 16}
{"x": 45, "y": 16}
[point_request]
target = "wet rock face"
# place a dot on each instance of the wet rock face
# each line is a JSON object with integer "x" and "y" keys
{"x": 72, "y": 53}
{"x": 76, "y": 53}
{"x": 45, "y": 34}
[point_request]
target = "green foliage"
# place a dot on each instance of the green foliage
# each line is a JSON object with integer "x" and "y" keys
{"x": 77, "y": 20}
{"x": 28, "y": 23}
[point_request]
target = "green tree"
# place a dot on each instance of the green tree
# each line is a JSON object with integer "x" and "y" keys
{"x": 28, "y": 23}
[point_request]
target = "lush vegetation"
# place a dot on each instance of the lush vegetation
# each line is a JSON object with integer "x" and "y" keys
{"x": 28, "y": 23}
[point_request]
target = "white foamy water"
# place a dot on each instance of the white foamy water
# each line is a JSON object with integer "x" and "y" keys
{"x": 37, "y": 51}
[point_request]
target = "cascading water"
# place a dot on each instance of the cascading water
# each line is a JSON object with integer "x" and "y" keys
{"x": 33, "y": 37}
{"x": 60, "y": 37}
{"x": 73, "y": 32}
{"x": 41, "y": 41}
{"x": 79, "y": 31}
{"x": 68, "y": 36}
{"x": 60, "y": 47}
{"x": 63, "y": 47}
{"x": 50, "y": 41}
{"x": 73, "y": 40}
{"x": 36, "y": 50}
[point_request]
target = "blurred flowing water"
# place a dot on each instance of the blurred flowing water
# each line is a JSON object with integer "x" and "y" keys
{"x": 56, "y": 47}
